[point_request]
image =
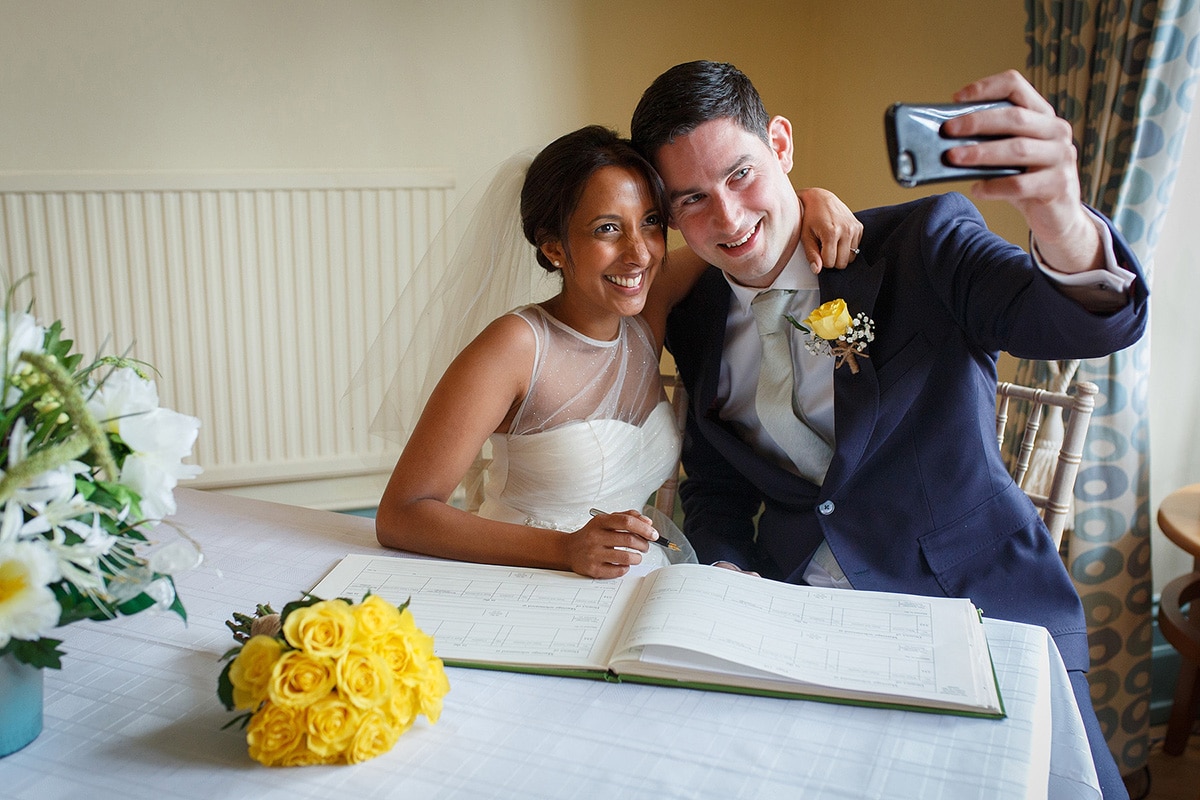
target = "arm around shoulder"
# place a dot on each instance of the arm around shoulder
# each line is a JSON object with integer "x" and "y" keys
{"x": 676, "y": 278}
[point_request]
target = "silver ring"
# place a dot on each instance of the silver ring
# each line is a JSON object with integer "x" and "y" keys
{"x": 854, "y": 250}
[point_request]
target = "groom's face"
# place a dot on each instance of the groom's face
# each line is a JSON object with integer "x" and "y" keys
{"x": 731, "y": 199}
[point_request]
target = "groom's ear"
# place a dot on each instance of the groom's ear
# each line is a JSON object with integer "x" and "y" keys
{"x": 779, "y": 134}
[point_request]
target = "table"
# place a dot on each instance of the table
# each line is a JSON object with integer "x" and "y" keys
{"x": 133, "y": 713}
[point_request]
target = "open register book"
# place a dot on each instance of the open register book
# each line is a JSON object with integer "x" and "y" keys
{"x": 696, "y": 626}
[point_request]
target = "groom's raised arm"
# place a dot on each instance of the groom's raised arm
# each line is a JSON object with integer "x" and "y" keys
{"x": 1067, "y": 239}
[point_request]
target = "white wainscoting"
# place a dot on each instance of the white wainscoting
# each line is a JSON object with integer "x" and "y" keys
{"x": 255, "y": 295}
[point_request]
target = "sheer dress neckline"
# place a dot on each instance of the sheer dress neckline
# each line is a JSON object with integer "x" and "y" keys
{"x": 558, "y": 323}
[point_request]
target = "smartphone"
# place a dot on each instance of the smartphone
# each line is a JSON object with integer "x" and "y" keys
{"x": 917, "y": 149}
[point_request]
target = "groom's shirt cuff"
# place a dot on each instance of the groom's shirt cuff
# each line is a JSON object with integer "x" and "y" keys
{"x": 1098, "y": 290}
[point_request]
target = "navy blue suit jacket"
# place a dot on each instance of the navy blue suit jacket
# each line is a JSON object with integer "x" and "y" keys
{"x": 916, "y": 498}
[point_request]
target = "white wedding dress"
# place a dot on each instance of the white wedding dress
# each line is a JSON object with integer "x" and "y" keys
{"x": 594, "y": 431}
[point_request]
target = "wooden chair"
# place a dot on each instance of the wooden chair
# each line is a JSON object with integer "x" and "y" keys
{"x": 1056, "y": 503}
{"x": 664, "y": 498}
{"x": 1182, "y": 630}
{"x": 1179, "y": 520}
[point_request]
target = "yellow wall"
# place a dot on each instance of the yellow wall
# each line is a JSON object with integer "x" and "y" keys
{"x": 831, "y": 66}
{"x": 452, "y": 85}
{"x": 459, "y": 84}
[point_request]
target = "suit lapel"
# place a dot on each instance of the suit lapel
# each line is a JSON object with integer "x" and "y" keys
{"x": 855, "y": 396}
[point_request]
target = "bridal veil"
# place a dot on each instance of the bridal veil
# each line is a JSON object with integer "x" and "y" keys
{"x": 478, "y": 267}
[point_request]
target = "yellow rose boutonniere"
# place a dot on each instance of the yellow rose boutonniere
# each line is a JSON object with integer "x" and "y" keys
{"x": 328, "y": 681}
{"x": 833, "y": 332}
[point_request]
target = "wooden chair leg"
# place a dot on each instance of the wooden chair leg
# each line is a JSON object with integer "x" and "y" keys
{"x": 1183, "y": 710}
{"x": 1182, "y": 630}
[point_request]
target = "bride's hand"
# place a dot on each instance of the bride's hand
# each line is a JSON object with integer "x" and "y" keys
{"x": 610, "y": 544}
{"x": 829, "y": 231}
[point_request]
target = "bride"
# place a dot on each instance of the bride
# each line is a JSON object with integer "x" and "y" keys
{"x": 567, "y": 391}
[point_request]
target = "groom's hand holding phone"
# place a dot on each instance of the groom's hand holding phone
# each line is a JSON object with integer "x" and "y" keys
{"x": 918, "y": 144}
{"x": 1017, "y": 129}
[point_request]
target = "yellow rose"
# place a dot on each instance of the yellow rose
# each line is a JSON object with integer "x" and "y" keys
{"x": 375, "y": 735}
{"x": 419, "y": 641}
{"x": 363, "y": 678}
{"x": 402, "y": 707}
{"x": 432, "y": 689}
{"x": 373, "y": 617}
{"x": 403, "y": 642}
{"x": 421, "y": 656}
{"x": 322, "y": 629}
{"x": 395, "y": 648}
{"x": 298, "y": 679}
{"x": 274, "y": 733}
{"x": 829, "y": 320}
{"x": 331, "y": 723}
{"x": 250, "y": 672}
{"x": 303, "y": 757}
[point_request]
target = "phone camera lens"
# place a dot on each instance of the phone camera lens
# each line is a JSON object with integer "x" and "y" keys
{"x": 904, "y": 165}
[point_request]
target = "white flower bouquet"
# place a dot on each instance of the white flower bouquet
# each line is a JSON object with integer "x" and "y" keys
{"x": 88, "y": 466}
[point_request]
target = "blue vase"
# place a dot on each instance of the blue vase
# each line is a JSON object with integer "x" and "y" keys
{"x": 20, "y": 704}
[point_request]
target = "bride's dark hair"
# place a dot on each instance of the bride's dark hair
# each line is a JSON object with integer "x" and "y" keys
{"x": 558, "y": 174}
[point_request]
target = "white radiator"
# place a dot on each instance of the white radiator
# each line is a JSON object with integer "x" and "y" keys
{"x": 256, "y": 296}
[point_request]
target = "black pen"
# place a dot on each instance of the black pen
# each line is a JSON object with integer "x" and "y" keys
{"x": 661, "y": 540}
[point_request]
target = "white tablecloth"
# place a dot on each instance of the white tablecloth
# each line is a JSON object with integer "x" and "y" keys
{"x": 134, "y": 714}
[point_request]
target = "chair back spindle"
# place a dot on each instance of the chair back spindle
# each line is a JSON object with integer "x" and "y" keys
{"x": 1055, "y": 503}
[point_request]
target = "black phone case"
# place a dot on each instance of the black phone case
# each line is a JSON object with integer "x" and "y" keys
{"x": 917, "y": 149}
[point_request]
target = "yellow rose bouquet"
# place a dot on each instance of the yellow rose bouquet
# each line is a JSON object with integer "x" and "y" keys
{"x": 833, "y": 332}
{"x": 329, "y": 681}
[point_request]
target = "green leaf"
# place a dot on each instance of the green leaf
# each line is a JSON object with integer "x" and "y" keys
{"x": 59, "y": 347}
{"x": 225, "y": 687}
{"x": 796, "y": 323}
{"x": 177, "y": 605}
{"x": 243, "y": 719}
{"x": 230, "y": 653}
{"x": 308, "y": 600}
{"x": 75, "y": 605}
{"x": 41, "y": 653}
{"x": 136, "y": 605}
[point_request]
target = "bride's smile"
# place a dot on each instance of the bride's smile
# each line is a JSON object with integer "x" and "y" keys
{"x": 614, "y": 247}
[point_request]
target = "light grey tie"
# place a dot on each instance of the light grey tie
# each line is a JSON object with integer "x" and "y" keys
{"x": 774, "y": 400}
{"x": 775, "y": 403}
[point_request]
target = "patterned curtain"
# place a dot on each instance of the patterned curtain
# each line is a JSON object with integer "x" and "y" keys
{"x": 1124, "y": 75}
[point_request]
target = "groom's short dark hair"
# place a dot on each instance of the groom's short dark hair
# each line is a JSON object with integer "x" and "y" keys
{"x": 688, "y": 95}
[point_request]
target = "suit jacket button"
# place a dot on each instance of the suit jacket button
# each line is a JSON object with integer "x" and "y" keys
{"x": 826, "y": 508}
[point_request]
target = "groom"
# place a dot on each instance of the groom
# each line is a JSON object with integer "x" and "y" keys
{"x": 888, "y": 478}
